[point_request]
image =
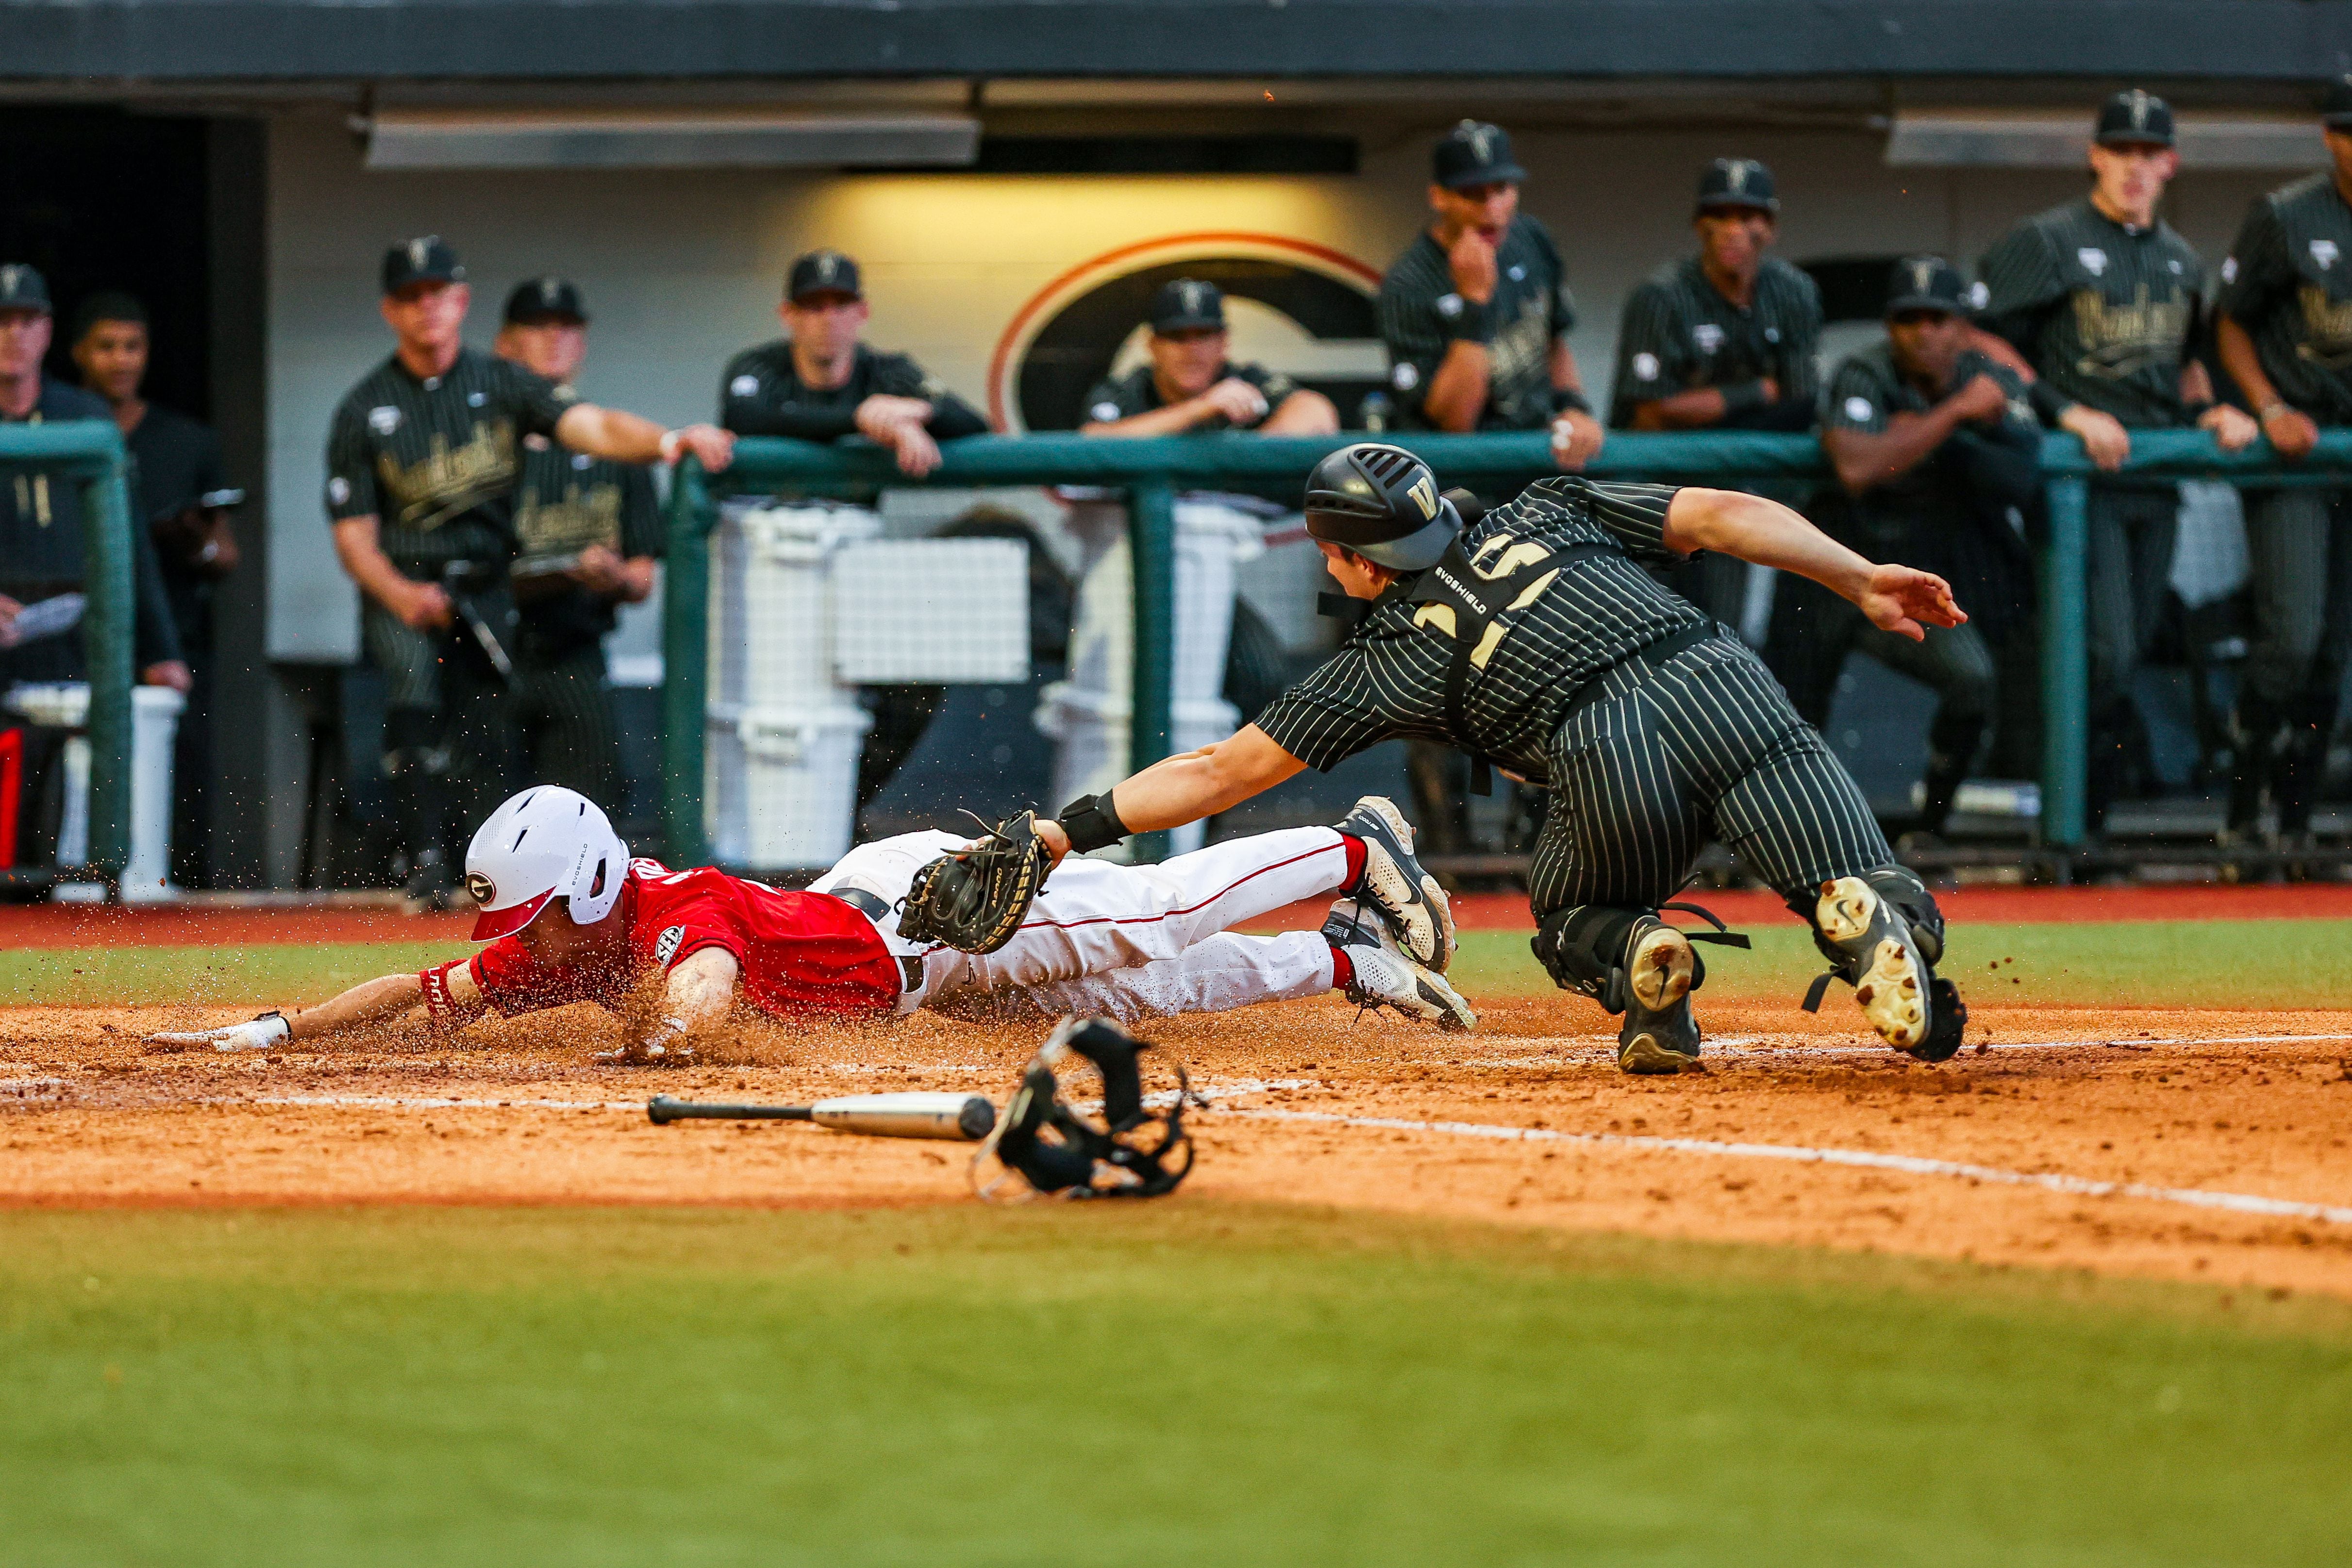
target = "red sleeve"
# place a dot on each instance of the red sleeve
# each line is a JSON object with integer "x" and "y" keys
{"x": 687, "y": 920}
{"x": 512, "y": 980}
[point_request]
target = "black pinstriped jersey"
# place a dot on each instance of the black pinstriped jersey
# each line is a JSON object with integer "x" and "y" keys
{"x": 1125, "y": 396}
{"x": 1945, "y": 489}
{"x": 1680, "y": 334}
{"x": 762, "y": 393}
{"x": 1421, "y": 315}
{"x": 567, "y": 501}
{"x": 2288, "y": 281}
{"x": 435, "y": 459}
{"x": 1388, "y": 678}
{"x": 2105, "y": 312}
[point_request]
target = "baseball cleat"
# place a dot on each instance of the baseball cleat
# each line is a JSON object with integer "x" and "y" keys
{"x": 1916, "y": 1013}
{"x": 1393, "y": 886}
{"x": 1660, "y": 1034}
{"x": 1387, "y": 976}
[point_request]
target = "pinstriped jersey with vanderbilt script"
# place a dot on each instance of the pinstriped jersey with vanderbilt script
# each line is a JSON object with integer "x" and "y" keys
{"x": 1679, "y": 334}
{"x": 2102, "y": 311}
{"x": 435, "y": 460}
{"x": 1419, "y": 309}
{"x": 1388, "y": 679}
{"x": 2288, "y": 281}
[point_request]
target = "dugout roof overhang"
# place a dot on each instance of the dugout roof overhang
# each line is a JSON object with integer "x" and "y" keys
{"x": 131, "y": 48}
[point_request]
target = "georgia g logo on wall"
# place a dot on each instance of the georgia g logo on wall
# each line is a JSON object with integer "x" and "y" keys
{"x": 1304, "y": 309}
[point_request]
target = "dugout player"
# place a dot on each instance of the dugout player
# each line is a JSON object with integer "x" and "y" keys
{"x": 1190, "y": 385}
{"x": 821, "y": 382}
{"x": 40, "y": 516}
{"x": 422, "y": 460}
{"x": 1938, "y": 449}
{"x": 2286, "y": 332}
{"x": 184, "y": 499}
{"x": 568, "y": 917}
{"x": 2106, "y": 302}
{"x": 1721, "y": 341}
{"x": 1534, "y": 637}
{"x": 589, "y": 531}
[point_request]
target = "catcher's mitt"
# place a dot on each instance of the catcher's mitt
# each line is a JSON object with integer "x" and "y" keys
{"x": 975, "y": 898}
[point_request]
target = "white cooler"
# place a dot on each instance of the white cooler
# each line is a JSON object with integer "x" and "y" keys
{"x": 781, "y": 783}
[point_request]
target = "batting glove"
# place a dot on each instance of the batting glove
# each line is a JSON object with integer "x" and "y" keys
{"x": 269, "y": 1029}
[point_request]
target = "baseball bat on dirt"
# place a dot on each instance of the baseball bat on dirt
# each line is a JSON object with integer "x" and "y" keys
{"x": 915, "y": 1113}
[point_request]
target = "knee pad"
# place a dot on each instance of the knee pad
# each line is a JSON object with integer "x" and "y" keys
{"x": 1908, "y": 894}
{"x": 1583, "y": 950}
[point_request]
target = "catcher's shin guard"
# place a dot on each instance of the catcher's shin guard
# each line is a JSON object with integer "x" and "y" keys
{"x": 1883, "y": 935}
{"x": 1407, "y": 897}
{"x": 1633, "y": 962}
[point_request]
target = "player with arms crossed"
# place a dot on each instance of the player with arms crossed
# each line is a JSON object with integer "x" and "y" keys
{"x": 1533, "y": 637}
{"x": 568, "y": 916}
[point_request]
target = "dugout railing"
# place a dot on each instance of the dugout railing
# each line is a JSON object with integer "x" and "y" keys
{"x": 1151, "y": 472}
{"x": 88, "y": 452}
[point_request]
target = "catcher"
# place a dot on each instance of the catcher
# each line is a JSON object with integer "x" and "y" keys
{"x": 568, "y": 916}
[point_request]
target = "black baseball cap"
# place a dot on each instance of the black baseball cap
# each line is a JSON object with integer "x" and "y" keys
{"x": 1474, "y": 153}
{"x": 537, "y": 300}
{"x": 1927, "y": 283}
{"x": 2133, "y": 119}
{"x": 1188, "y": 304}
{"x": 2336, "y": 109}
{"x": 823, "y": 272}
{"x": 22, "y": 288}
{"x": 427, "y": 259}
{"x": 1737, "y": 182}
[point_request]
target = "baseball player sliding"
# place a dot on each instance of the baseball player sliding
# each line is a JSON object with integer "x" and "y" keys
{"x": 567, "y": 915}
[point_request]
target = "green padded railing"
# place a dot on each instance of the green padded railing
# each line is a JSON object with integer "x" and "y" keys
{"x": 89, "y": 452}
{"x": 1152, "y": 471}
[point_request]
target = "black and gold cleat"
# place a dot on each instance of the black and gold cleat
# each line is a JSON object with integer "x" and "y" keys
{"x": 1660, "y": 1034}
{"x": 1891, "y": 969}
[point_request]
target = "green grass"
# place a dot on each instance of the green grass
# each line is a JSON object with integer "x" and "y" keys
{"x": 1181, "y": 1383}
{"x": 2142, "y": 964}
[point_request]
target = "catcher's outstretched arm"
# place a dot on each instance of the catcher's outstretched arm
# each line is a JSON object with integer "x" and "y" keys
{"x": 1178, "y": 790}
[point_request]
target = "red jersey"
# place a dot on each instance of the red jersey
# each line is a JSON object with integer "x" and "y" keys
{"x": 800, "y": 953}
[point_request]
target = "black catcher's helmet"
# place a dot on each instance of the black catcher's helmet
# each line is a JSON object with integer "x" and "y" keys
{"x": 1381, "y": 502}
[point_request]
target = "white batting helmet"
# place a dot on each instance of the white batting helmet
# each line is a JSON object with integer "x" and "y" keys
{"x": 545, "y": 843}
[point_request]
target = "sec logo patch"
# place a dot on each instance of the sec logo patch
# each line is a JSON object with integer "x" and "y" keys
{"x": 384, "y": 419}
{"x": 1858, "y": 409}
{"x": 665, "y": 945}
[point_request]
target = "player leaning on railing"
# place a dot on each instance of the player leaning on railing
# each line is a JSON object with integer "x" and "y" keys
{"x": 568, "y": 916}
{"x": 1533, "y": 637}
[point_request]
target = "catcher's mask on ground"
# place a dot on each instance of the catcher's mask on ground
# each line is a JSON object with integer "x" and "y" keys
{"x": 544, "y": 844}
{"x": 1044, "y": 1146}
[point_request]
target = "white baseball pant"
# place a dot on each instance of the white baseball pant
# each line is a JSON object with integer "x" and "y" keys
{"x": 1131, "y": 942}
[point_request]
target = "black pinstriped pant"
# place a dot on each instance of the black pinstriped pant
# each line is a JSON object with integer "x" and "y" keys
{"x": 1669, "y": 756}
{"x": 565, "y": 717}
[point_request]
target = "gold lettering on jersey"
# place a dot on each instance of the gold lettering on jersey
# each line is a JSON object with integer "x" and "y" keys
{"x": 1521, "y": 347}
{"x": 581, "y": 518}
{"x": 2326, "y": 329}
{"x": 449, "y": 480}
{"x": 1499, "y": 556}
{"x": 1438, "y": 615}
{"x": 2123, "y": 339}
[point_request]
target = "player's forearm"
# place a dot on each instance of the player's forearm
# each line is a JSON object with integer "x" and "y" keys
{"x": 1692, "y": 410}
{"x": 1174, "y": 419}
{"x": 364, "y": 560}
{"x": 1864, "y": 459}
{"x": 1765, "y": 533}
{"x": 611, "y": 432}
{"x": 1457, "y": 392}
{"x": 2000, "y": 351}
{"x": 1303, "y": 413}
{"x": 700, "y": 990}
{"x": 2244, "y": 365}
{"x": 1182, "y": 789}
{"x": 369, "y": 1001}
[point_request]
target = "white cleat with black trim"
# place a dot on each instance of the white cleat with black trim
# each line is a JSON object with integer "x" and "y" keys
{"x": 1407, "y": 899}
{"x": 1387, "y": 976}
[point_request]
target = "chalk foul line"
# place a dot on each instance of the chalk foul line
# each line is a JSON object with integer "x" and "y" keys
{"x": 1910, "y": 1164}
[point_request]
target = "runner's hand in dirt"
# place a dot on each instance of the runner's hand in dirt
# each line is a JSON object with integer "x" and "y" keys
{"x": 259, "y": 1034}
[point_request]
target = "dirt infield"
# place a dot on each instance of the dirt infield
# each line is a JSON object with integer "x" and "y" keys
{"x": 2201, "y": 1145}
